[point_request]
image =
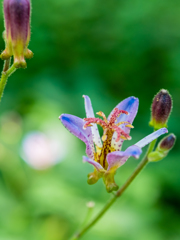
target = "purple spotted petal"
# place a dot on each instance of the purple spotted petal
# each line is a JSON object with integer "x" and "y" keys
{"x": 143, "y": 142}
{"x": 130, "y": 105}
{"x": 118, "y": 158}
{"x": 75, "y": 126}
{"x": 95, "y": 164}
{"x": 90, "y": 114}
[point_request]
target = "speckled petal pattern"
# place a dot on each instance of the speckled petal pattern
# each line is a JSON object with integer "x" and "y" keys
{"x": 90, "y": 114}
{"x": 118, "y": 158}
{"x": 75, "y": 126}
{"x": 130, "y": 105}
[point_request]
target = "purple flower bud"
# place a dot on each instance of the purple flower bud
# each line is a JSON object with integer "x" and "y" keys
{"x": 161, "y": 109}
{"x": 17, "y": 31}
{"x": 163, "y": 148}
{"x": 167, "y": 143}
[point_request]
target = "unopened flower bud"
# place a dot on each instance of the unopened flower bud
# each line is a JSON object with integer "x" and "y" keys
{"x": 90, "y": 204}
{"x": 163, "y": 148}
{"x": 161, "y": 109}
{"x": 167, "y": 143}
{"x": 17, "y": 31}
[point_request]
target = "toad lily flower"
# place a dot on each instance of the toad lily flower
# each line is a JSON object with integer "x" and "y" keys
{"x": 106, "y": 155}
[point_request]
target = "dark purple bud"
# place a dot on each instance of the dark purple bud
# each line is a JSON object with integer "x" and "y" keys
{"x": 163, "y": 148}
{"x": 161, "y": 109}
{"x": 17, "y": 33}
{"x": 167, "y": 143}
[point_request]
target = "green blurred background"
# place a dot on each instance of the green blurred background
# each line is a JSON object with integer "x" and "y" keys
{"x": 108, "y": 50}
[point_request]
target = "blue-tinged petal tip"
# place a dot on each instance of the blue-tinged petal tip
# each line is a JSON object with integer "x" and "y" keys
{"x": 64, "y": 117}
{"x": 164, "y": 130}
{"x": 133, "y": 151}
{"x": 132, "y": 100}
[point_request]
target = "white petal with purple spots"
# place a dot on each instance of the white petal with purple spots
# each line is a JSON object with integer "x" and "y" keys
{"x": 90, "y": 114}
{"x": 130, "y": 105}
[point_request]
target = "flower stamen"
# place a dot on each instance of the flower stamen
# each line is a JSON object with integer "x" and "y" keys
{"x": 110, "y": 125}
{"x": 99, "y": 121}
{"x": 120, "y": 133}
{"x": 116, "y": 113}
{"x": 128, "y": 124}
{"x": 101, "y": 114}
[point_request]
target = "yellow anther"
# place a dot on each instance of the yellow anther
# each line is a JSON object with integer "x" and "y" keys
{"x": 130, "y": 126}
{"x": 128, "y": 138}
{"x": 89, "y": 125}
{"x": 101, "y": 114}
{"x": 123, "y": 137}
{"x": 104, "y": 137}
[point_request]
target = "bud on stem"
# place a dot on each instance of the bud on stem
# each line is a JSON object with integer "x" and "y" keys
{"x": 161, "y": 109}
{"x": 17, "y": 31}
{"x": 163, "y": 148}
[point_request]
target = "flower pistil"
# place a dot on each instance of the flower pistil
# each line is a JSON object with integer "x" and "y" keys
{"x": 109, "y": 127}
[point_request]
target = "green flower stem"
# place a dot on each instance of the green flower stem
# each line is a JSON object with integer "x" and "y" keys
{"x": 141, "y": 165}
{"x": 88, "y": 216}
{"x": 4, "y": 78}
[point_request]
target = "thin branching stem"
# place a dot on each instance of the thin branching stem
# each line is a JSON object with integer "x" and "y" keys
{"x": 141, "y": 165}
{"x": 4, "y": 78}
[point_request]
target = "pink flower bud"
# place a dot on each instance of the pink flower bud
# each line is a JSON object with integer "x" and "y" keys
{"x": 161, "y": 109}
{"x": 17, "y": 31}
